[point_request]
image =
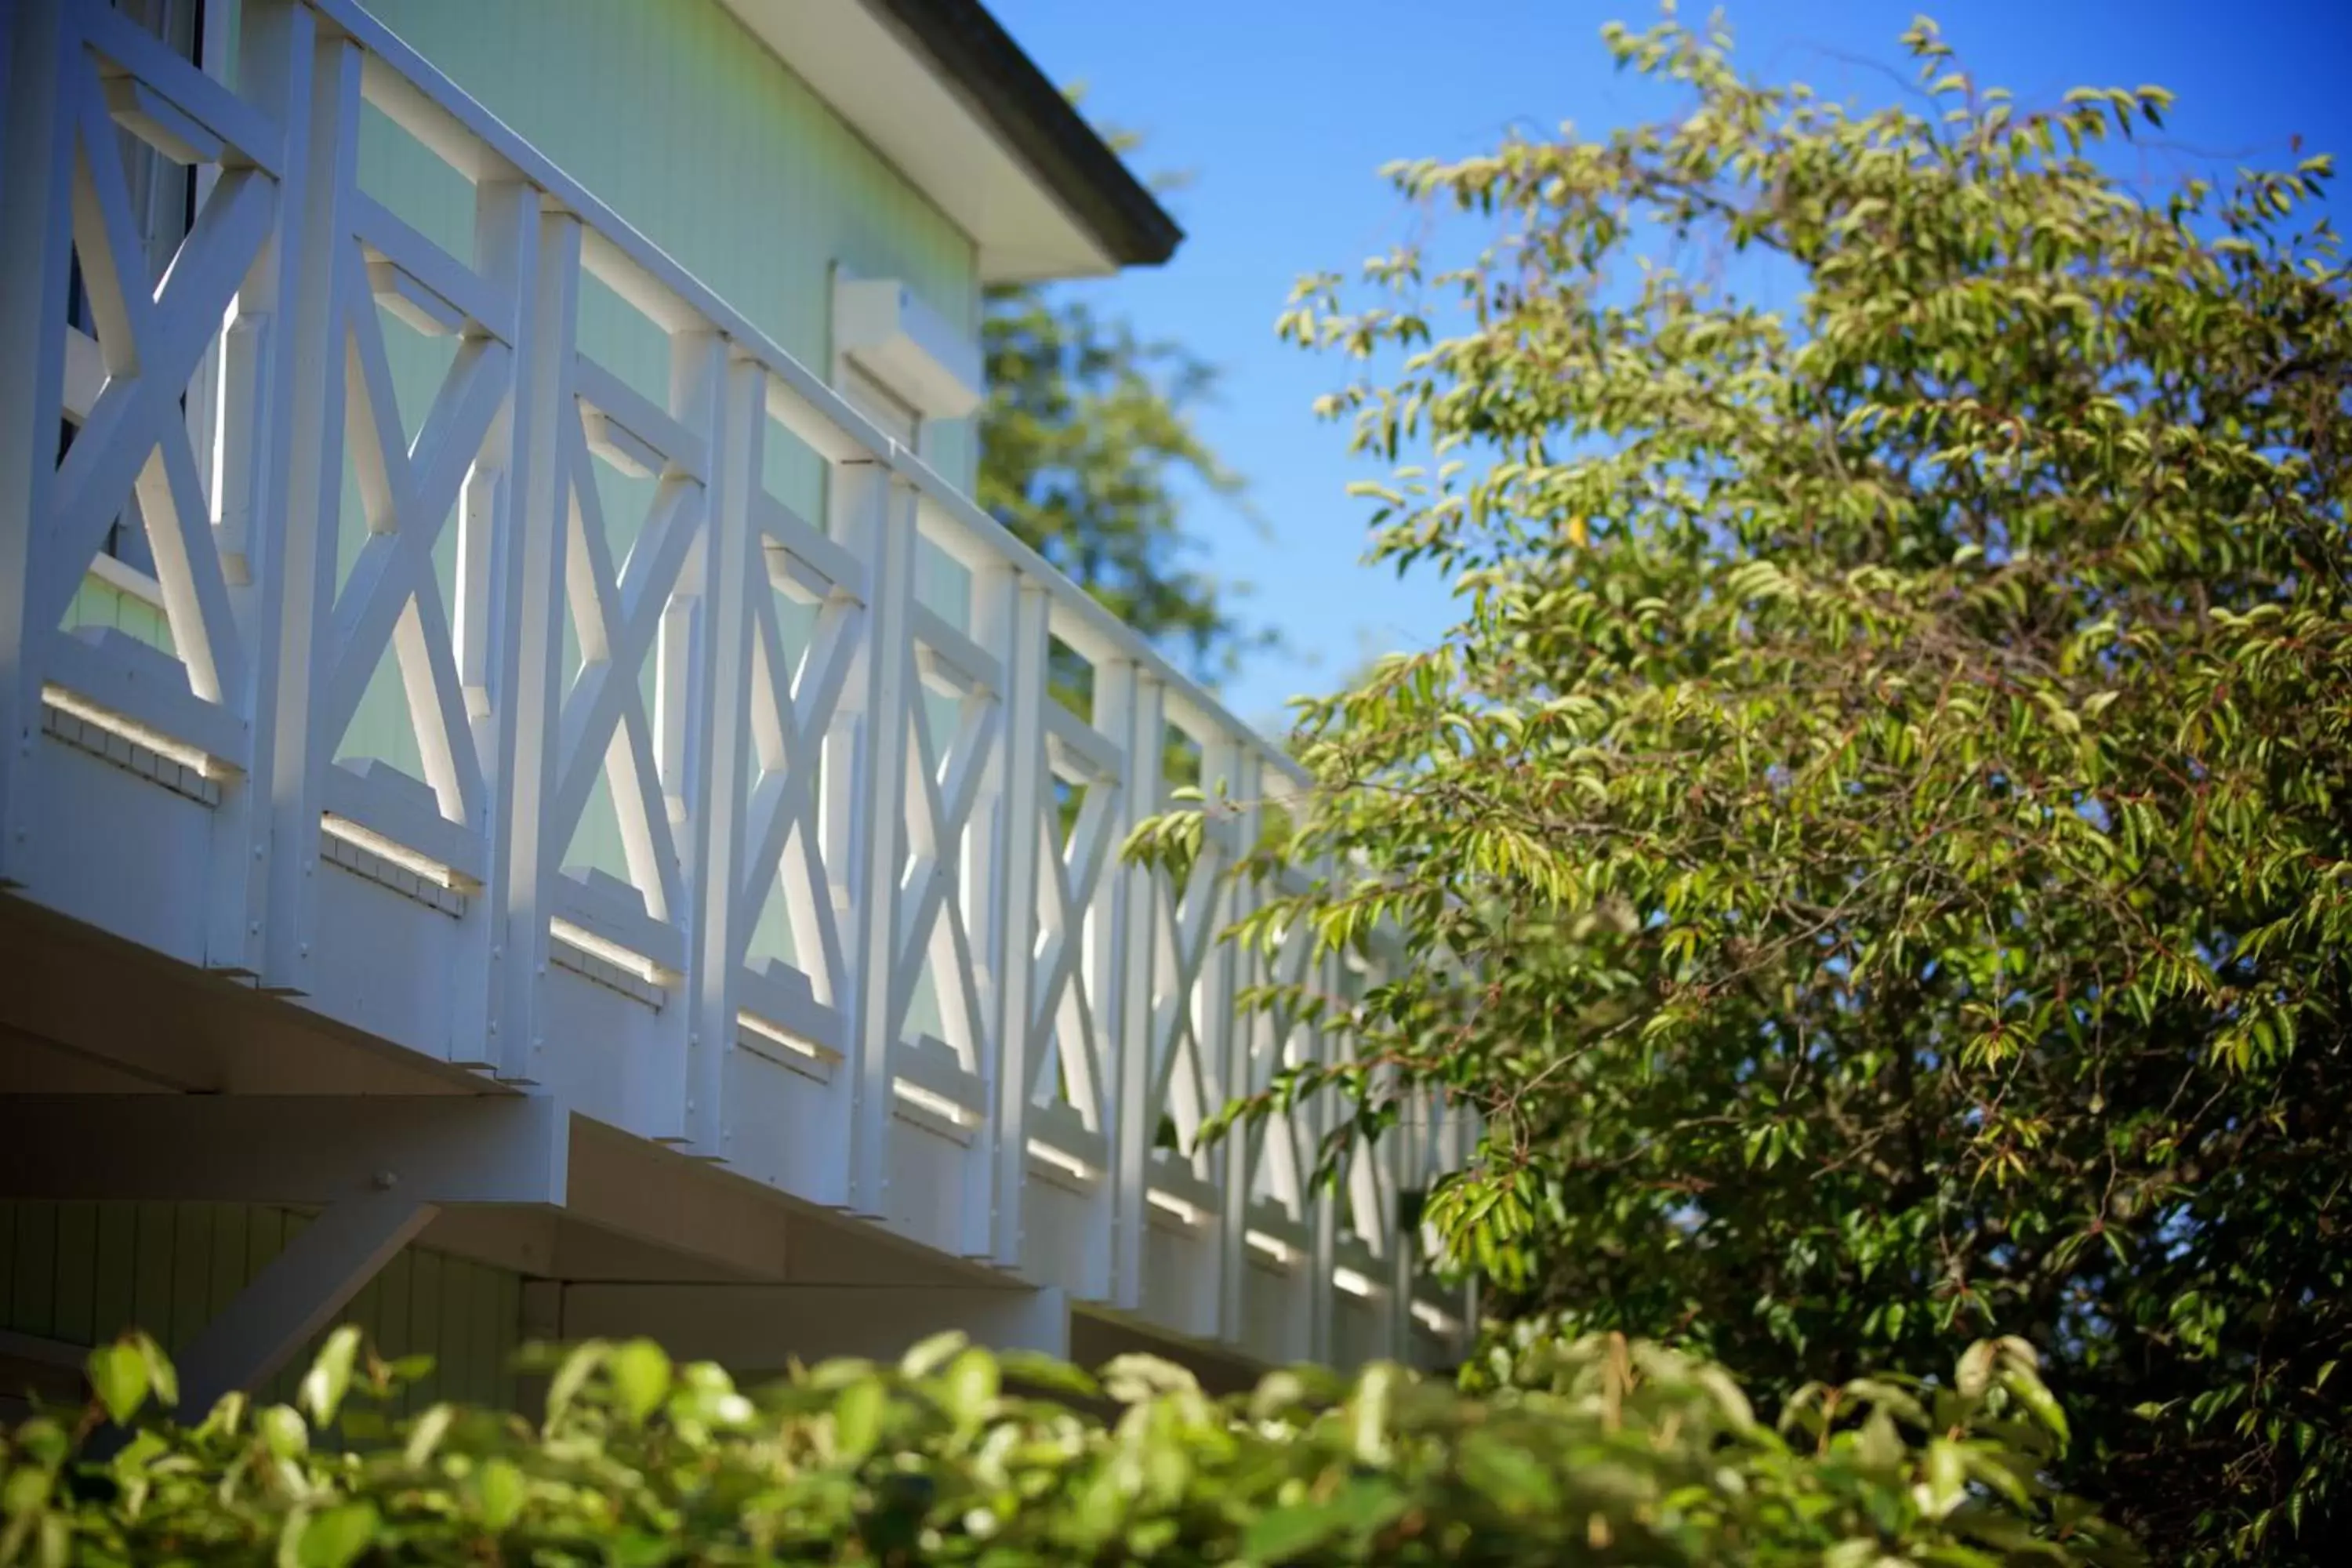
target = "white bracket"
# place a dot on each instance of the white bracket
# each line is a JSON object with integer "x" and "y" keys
{"x": 907, "y": 346}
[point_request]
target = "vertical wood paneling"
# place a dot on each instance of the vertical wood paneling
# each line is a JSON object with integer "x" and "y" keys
{"x": 393, "y": 1339}
{"x": 83, "y": 1272}
{"x": 425, "y": 1324}
{"x": 192, "y": 1268}
{"x": 114, "y": 1269}
{"x": 76, "y": 1316}
{"x": 231, "y": 1225}
{"x": 456, "y": 1330}
{"x": 151, "y": 1281}
{"x": 34, "y": 1292}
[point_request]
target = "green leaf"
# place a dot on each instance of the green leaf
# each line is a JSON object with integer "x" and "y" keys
{"x": 330, "y": 1377}
{"x": 572, "y": 1375}
{"x": 857, "y": 1418}
{"x": 26, "y": 1490}
{"x": 1281, "y": 1535}
{"x": 968, "y": 1387}
{"x": 1047, "y": 1373}
{"x": 425, "y": 1437}
{"x": 1976, "y": 1369}
{"x": 161, "y": 1377}
{"x": 337, "y": 1537}
{"x": 503, "y": 1492}
{"x": 119, "y": 1376}
{"x": 282, "y": 1431}
{"x": 641, "y": 1377}
{"x": 927, "y": 1356}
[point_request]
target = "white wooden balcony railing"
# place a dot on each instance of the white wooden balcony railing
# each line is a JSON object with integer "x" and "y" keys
{"x": 967, "y": 1020}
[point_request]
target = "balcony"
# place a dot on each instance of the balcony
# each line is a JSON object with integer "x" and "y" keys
{"x": 625, "y": 726}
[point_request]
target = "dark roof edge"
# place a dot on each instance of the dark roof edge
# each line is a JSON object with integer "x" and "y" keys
{"x": 973, "y": 49}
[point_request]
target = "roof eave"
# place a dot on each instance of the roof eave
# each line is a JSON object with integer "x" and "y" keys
{"x": 970, "y": 48}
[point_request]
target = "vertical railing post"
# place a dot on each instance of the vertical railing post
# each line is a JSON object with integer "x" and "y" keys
{"x": 546, "y": 276}
{"x": 490, "y": 518}
{"x": 727, "y": 397}
{"x": 1013, "y": 623}
{"x": 1215, "y": 1027}
{"x": 36, "y": 149}
{"x": 312, "y": 385}
{"x": 1391, "y": 1151}
{"x": 877, "y": 512}
{"x": 1232, "y": 1219}
{"x": 253, "y": 484}
{"x": 1322, "y": 1201}
{"x": 1135, "y": 892}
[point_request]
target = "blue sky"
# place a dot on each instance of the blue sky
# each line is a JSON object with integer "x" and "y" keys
{"x": 1282, "y": 111}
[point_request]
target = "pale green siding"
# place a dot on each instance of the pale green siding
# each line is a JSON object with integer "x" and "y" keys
{"x": 681, "y": 121}
{"x": 83, "y": 1272}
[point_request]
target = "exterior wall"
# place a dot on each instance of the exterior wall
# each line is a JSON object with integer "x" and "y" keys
{"x": 672, "y": 113}
{"x": 82, "y": 1272}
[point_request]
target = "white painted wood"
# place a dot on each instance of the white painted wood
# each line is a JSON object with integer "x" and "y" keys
{"x": 1136, "y": 895}
{"x": 210, "y": 109}
{"x": 882, "y": 512}
{"x": 406, "y": 812}
{"x": 1010, "y": 621}
{"x": 790, "y": 718}
{"x": 530, "y": 853}
{"x": 310, "y": 418}
{"x": 112, "y": 672}
{"x": 463, "y": 297}
{"x": 803, "y": 562}
{"x": 37, "y": 162}
{"x": 729, "y": 398}
{"x": 161, "y": 344}
{"x": 617, "y": 617}
{"x": 393, "y": 578}
{"x": 246, "y": 414}
{"x": 942, "y": 791}
{"x": 1244, "y": 968}
{"x": 930, "y": 364}
{"x": 1320, "y": 1115}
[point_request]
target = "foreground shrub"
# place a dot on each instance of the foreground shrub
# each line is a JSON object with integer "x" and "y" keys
{"x": 1595, "y": 1450}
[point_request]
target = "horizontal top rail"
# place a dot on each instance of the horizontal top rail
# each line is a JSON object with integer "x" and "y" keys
{"x": 475, "y": 140}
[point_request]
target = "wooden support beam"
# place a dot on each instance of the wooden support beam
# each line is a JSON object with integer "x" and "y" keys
{"x": 309, "y": 1149}
{"x": 298, "y": 1293}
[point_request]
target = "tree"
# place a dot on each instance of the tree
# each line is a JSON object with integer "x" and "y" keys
{"x": 1878, "y": 848}
{"x": 1085, "y": 442}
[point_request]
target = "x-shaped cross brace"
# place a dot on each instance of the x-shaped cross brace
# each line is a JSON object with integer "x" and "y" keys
{"x": 409, "y": 492}
{"x": 150, "y": 341}
{"x": 791, "y": 715}
{"x": 937, "y": 820}
{"x": 616, "y": 616}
